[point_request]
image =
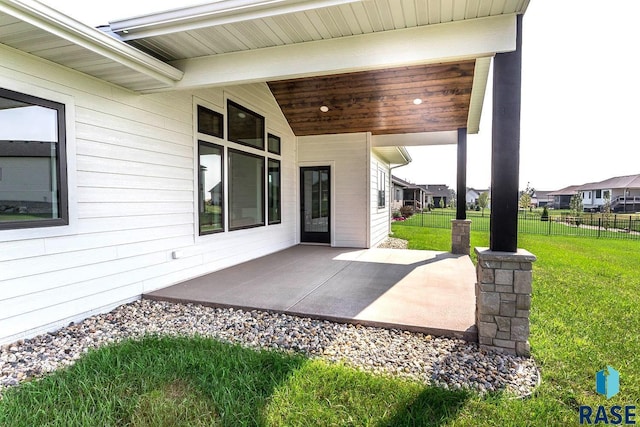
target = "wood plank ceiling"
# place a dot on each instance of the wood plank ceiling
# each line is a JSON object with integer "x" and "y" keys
{"x": 380, "y": 101}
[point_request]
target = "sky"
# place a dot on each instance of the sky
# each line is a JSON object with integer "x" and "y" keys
{"x": 579, "y": 94}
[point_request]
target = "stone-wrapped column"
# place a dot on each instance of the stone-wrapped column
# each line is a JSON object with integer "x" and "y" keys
{"x": 503, "y": 300}
{"x": 460, "y": 236}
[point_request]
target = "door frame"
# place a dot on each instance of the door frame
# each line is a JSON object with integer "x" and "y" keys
{"x": 329, "y": 233}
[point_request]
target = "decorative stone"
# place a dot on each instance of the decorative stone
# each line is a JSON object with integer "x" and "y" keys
{"x": 461, "y": 236}
{"x": 489, "y": 303}
{"x": 512, "y": 286}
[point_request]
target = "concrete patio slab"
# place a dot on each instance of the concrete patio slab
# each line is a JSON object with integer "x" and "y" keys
{"x": 423, "y": 291}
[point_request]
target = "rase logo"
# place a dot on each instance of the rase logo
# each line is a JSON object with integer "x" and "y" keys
{"x": 608, "y": 385}
{"x": 608, "y": 382}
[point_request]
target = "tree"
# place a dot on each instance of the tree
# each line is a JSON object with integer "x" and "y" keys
{"x": 606, "y": 210}
{"x": 575, "y": 204}
{"x": 525, "y": 197}
{"x": 441, "y": 204}
{"x": 483, "y": 201}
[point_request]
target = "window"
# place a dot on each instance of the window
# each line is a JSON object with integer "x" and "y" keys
{"x": 246, "y": 190}
{"x": 244, "y": 126}
{"x": 273, "y": 144}
{"x": 382, "y": 181}
{"x": 606, "y": 194}
{"x": 33, "y": 178}
{"x": 210, "y": 122}
{"x": 598, "y": 194}
{"x": 210, "y": 188}
{"x": 274, "y": 202}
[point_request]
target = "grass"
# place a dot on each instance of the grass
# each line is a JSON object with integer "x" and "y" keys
{"x": 584, "y": 316}
{"x": 202, "y": 382}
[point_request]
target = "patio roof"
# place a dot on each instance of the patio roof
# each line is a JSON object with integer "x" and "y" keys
{"x": 234, "y": 42}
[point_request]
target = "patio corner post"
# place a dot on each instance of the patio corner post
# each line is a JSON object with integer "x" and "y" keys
{"x": 505, "y": 147}
{"x": 461, "y": 227}
{"x": 503, "y": 300}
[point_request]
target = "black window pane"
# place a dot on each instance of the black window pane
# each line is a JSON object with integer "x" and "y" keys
{"x": 210, "y": 122}
{"x": 211, "y": 188}
{"x": 246, "y": 190}
{"x": 274, "y": 144}
{"x": 274, "y": 192}
{"x": 32, "y": 162}
{"x": 244, "y": 126}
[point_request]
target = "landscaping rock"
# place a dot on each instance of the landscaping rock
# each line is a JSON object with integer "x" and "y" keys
{"x": 449, "y": 363}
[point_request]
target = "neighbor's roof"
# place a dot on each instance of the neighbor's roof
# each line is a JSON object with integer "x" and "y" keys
{"x": 628, "y": 181}
{"x": 438, "y": 190}
{"x": 567, "y": 191}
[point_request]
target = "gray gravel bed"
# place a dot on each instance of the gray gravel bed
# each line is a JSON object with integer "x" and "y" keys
{"x": 449, "y": 363}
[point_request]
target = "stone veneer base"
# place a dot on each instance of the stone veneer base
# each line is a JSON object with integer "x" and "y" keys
{"x": 503, "y": 300}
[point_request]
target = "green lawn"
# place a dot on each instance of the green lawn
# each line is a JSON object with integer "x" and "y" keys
{"x": 585, "y": 315}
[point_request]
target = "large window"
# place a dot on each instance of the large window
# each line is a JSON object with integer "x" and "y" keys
{"x": 246, "y": 190}
{"x": 211, "y": 188}
{"x": 274, "y": 202}
{"x": 239, "y": 181}
{"x": 33, "y": 185}
{"x": 244, "y": 126}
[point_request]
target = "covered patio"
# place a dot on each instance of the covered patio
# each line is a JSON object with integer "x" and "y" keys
{"x": 421, "y": 291}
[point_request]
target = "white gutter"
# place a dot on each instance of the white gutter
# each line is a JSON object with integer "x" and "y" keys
{"x": 212, "y": 14}
{"x": 60, "y": 25}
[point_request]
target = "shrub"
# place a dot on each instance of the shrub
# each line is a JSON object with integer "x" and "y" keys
{"x": 396, "y": 214}
{"x": 545, "y": 214}
{"x": 406, "y": 211}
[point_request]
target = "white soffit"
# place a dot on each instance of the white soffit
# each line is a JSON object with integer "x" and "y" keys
{"x": 35, "y": 28}
{"x": 393, "y": 155}
{"x": 454, "y": 41}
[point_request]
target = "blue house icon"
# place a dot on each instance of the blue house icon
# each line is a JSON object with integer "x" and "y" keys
{"x": 608, "y": 382}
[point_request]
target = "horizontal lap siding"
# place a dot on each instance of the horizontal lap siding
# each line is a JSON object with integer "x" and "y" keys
{"x": 349, "y": 154}
{"x": 379, "y": 216}
{"x": 132, "y": 201}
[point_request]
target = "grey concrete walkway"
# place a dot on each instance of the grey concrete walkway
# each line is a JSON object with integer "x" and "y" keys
{"x": 424, "y": 291}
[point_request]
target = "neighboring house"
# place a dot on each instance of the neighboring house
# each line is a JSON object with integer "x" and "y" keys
{"x": 169, "y": 146}
{"x": 541, "y": 199}
{"x": 473, "y": 194}
{"x": 439, "y": 192}
{"x": 408, "y": 194}
{"x": 562, "y": 197}
{"x": 623, "y": 192}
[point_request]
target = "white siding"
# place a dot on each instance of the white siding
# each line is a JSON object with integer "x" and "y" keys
{"x": 131, "y": 166}
{"x": 348, "y": 156}
{"x": 380, "y": 217}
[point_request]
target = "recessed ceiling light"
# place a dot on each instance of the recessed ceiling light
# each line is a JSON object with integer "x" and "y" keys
{"x": 324, "y": 108}
{"x": 417, "y": 101}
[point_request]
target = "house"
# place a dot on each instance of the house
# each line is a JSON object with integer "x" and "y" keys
{"x": 441, "y": 194}
{"x": 562, "y": 197}
{"x": 541, "y": 198}
{"x": 408, "y": 194}
{"x": 164, "y": 147}
{"x": 623, "y": 193}
{"x": 472, "y": 195}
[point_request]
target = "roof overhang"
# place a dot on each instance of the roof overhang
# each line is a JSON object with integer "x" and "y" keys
{"x": 395, "y": 156}
{"x": 35, "y": 28}
{"x": 234, "y": 42}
